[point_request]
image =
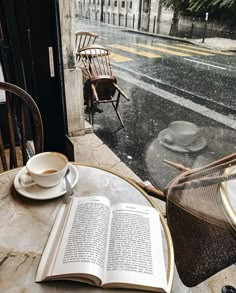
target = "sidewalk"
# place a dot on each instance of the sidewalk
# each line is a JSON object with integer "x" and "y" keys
{"x": 220, "y": 44}
{"x": 89, "y": 149}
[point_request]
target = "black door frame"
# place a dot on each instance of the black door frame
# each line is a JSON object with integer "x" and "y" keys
{"x": 30, "y": 31}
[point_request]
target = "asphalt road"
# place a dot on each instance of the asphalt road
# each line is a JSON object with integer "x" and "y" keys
{"x": 166, "y": 81}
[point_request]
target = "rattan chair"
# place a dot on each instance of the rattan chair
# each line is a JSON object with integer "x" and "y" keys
{"x": 21, "y": 128}
{"x": 201, "y": 220}
{"x": 101, "y": 85}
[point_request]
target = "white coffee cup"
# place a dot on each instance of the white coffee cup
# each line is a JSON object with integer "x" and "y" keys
{"x": 45, "y": 169}
{"x": 183, "y": 133}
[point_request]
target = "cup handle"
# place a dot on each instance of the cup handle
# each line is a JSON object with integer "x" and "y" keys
{"x": 26, "y": 180}
{"x": 169, "y": 138}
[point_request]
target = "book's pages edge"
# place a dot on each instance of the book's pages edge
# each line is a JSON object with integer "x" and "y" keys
{"x": 47, "y": 249}
{"x": 132, "y": 286}
{"x": 59, "y": 236}
{"x": 83, "y": 278}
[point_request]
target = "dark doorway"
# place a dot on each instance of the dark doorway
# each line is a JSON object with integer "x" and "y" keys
{"x": 30, "y": 54}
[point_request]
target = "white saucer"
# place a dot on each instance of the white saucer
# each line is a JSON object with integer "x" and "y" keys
{"x": 165, "y": 140}
{"x": 41, "y": 193}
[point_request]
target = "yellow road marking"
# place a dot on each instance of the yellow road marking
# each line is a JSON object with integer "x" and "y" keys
{"x": 163, "y": 50}
{"x": 119, "y": 58}
{"x": 135, "y": 51}
{"x": 205, "y": 49}
{"x": 185, "y": 49}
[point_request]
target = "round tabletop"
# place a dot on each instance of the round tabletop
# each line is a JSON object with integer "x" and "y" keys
{"x": 26, "y": 224}
{"x": 219, "y": 142}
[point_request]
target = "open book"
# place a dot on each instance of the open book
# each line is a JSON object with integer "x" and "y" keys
{"x": 111, "y": 246}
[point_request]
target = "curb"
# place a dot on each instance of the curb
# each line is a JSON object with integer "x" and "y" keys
{"x": 158, "y": 36}
{"x": 182, "y": 40}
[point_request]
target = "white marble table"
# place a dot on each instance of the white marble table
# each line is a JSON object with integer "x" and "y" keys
{"x": 26, "y": 223}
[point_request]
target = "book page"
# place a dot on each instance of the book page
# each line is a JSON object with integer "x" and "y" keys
{"x": 82, "y": 249}
{"x": 135, "y": 252}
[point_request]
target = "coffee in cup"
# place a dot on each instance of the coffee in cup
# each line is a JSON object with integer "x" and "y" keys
{"x": 45, "y": 169}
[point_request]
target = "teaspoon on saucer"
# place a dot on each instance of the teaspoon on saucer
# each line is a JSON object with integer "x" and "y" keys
{"x": 69, "y": 190}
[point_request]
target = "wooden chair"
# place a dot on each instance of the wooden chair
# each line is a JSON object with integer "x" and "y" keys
{"x": 84, "y": 39}
{"x": 22, "y": 134}
{"x": 101, "y": 86}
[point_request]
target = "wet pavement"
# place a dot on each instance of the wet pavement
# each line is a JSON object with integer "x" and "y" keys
{"x": 163, "y": 90}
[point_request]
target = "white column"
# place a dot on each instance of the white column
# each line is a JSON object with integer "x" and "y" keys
{"x": 72, "y": 76}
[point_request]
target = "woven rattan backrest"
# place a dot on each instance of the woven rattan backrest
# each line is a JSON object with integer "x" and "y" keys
{"x": 21, "y": 132}
{"x": 84, "y": 39}
{"x": 96, "y": 60}
{"x": 204, "y": 236}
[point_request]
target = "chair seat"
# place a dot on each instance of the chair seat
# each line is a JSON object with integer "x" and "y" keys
{"x": 104, "y": 88}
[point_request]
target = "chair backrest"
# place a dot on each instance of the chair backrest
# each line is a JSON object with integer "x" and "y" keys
{"x": 84, "y": 39}
{"x": 202, "y": 229}
{"x": 96, "y": 60}
{"x": 22, "y": 134}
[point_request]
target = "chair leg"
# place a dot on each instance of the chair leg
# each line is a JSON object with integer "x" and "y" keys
{"x": 118, "y": 115}
{"x": 2, "y": 153}
{"x": 115, "y": 105}
{"x": 90, "y": 110}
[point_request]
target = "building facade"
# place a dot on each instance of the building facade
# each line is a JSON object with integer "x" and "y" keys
{"x": 142, "y": 15}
